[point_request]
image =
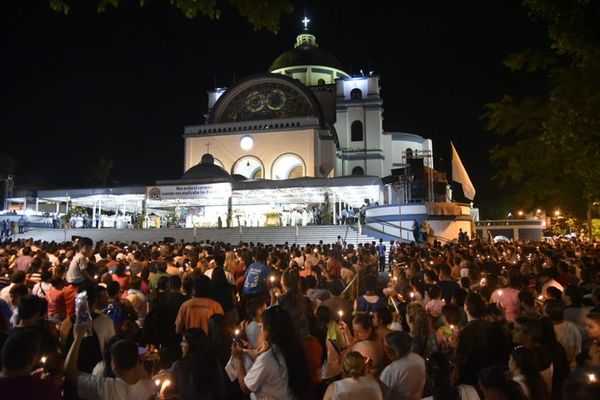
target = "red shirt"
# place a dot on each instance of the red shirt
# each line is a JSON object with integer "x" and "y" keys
{"x": 334, "y": 268}
{"x": 56, "y": 303}
{"x": 123, "y": 281}
{"x": 69, "y": 293}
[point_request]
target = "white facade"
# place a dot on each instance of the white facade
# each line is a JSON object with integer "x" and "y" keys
{"x": 339, "y": 133}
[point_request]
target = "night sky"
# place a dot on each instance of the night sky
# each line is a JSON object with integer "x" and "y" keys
{"x": 123, "y": 84}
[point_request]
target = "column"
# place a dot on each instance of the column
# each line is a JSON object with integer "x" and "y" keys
{"x": 99, "y": 213}
{"x": 334, "y": 209}
{"x": 37, "y": 204}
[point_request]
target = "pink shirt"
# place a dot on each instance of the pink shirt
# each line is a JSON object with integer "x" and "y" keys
{"x": 509, "y": 300}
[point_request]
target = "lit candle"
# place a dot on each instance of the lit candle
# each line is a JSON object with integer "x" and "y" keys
{"x": 500, "y": 293}
{"x": 272, "y": 279}
{"x": 341, "y": 314}
{"x": 412, "y": 295}
{"x": 452, "y": 329}
{"x": 43, "y": 360}
{"x": 236, "y": 332}
{"x": 592, "y": 378}
{"x": 540, "y": 297}
{"x": 95, "y": 277}
{"x": 395, "y": 279}
{"x": 156, "y": 387}
{"x": 164, "y": 386}
{"x": 482, "y": 282}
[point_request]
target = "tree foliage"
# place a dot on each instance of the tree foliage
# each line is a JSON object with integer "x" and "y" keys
{"x": 101, "y": 170}
{"x": 262, "y": 14}
{"x": 551, "y": 148}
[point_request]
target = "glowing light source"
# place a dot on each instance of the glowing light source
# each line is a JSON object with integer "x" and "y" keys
{"x": 246, "y": 143}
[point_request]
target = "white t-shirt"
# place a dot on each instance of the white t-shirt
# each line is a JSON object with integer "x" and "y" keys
{"x": 567, "y": 334}
{"x": 104, "y": 328}
{"x": 92, "y": 387}
{"x": 78, "y": 264}
{"x": 228, "y": 276}
{"x": 404, "y": 378}
{"x": 362, "y": 388}
{"x": 465, "y": 392}
{"x": 268, "y": 377}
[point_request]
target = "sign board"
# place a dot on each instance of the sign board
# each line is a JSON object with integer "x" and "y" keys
{"x": 219, "y": 190}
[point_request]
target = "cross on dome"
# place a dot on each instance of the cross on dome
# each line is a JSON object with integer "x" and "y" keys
{"x": 305, "y": 21}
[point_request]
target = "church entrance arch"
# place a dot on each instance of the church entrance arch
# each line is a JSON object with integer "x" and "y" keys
{"x": 249, "y": 166}
{"x": 288, "y": 166}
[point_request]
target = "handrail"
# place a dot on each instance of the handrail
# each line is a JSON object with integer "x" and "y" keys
{"x": 346, "y": 233}
{"x": 350, "y": 284}
{"x": 386, "y": 223}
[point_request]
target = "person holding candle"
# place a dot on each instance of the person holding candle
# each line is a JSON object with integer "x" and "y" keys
{"x": 280, "y": 370}
{"x": 131, "y": 383}
{"x": 508, "y": 297}
{"x": 198, "y": 375}
{"x": 364, "y": 339}
{"x": 18, "y": 379}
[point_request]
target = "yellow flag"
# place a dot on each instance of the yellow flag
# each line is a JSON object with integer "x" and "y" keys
{"x": 459, "y": 174}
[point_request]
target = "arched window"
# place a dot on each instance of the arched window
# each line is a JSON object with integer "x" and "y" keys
{"x": 356, "y": 132}
{"x": 358, "y": 171}
{"x": 219, "y": 163}
{"x": 248, "y": 166}
{"x": 355, "y": 94}
{"x": 288, "y": 166}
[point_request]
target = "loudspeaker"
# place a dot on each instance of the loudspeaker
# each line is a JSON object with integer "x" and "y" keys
{"x": 398, "y": 171}
{"x": 419, "y": 183}
{"x": 386, "y": 180}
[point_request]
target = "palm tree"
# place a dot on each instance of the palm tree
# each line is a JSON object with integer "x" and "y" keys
{"x": 101, "y": 170}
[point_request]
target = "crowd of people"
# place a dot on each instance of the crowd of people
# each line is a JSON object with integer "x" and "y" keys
{"x": 460, "y": 321}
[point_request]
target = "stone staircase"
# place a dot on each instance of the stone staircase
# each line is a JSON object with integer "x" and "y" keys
{"x": 280, "y": 235}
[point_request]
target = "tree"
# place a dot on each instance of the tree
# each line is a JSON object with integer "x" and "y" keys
{"x": 262, "y": 14}
{"x": 101, "y": 170}
{"x": 8, "y": 165}
{"x": 551, "y": 149}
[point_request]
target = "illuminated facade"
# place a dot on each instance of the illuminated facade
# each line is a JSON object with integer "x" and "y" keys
{"x": 306, "y": 117}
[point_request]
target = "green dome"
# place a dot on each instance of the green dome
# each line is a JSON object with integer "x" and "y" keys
{"x": 305, "y": 52}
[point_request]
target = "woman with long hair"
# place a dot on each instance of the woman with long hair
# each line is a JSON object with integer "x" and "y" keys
{"x": 424, "y": 342}
{"x": 198, "y": 375}
{"x": 355, "y": 384}
{"x": 279, "y": 371}
{"x": 334, "y": 343}
{"x": 524, "y": 370}
{"x": 292, "y": 301}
